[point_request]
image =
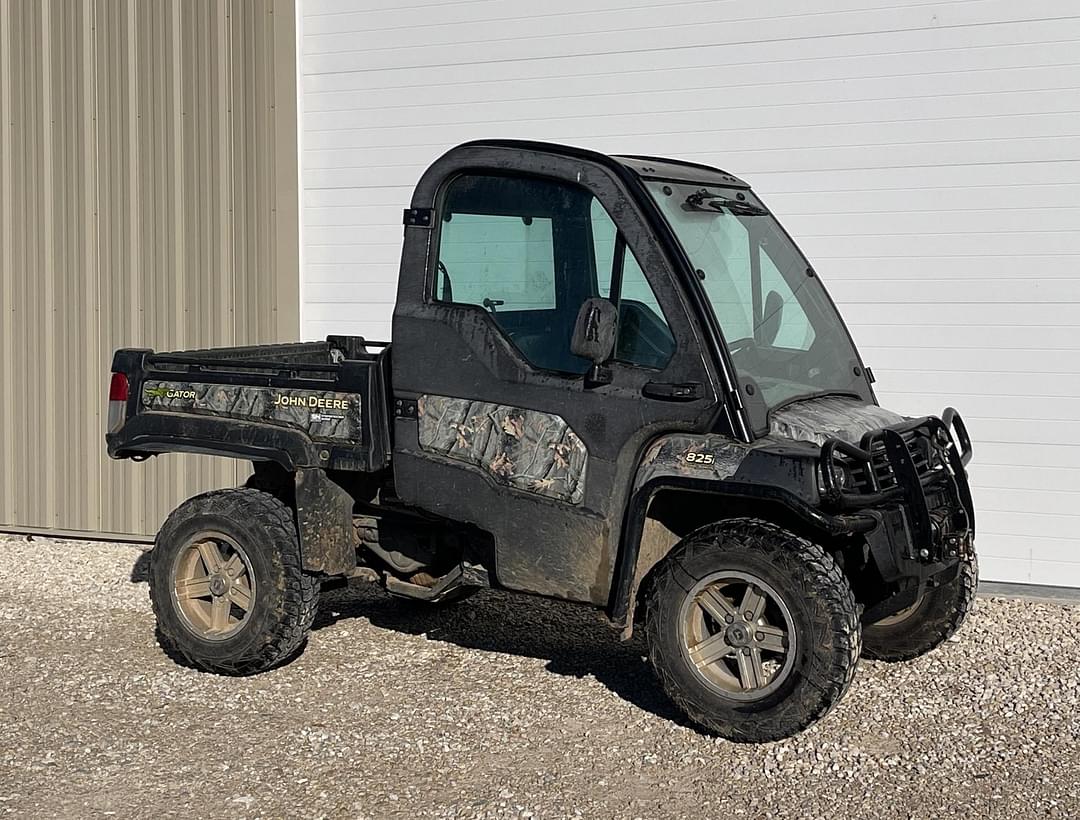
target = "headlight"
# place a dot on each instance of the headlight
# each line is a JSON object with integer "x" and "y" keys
{"x": 841, "y": 472}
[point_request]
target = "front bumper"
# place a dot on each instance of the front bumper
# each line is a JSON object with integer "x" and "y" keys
{"x": 911, "y": 478}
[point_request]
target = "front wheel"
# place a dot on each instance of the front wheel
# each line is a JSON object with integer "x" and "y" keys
{"x": 227, "y": 585}
{"x": 752, "y": 630}
{"x": 927, "y": 623}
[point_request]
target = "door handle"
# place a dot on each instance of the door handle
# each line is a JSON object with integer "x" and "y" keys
{"x": 672, "y": 391}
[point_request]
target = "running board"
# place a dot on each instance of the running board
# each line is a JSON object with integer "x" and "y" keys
{"x": 463, "y": 575}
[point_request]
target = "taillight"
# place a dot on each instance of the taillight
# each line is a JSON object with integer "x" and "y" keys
{"x": 118, "y": 397}
{"x": 118, "y": 387}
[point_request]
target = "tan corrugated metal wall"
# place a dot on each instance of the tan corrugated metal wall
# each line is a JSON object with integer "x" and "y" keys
{"x": 148, "y": 197}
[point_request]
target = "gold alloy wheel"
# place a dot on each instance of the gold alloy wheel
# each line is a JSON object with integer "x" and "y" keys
{"x": 213, "y": 585}
{"x": 738, "y": 635}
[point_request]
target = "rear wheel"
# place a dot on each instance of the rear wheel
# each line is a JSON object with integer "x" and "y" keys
{"x": 752, "y": 630}
{"x": 926, "y": 624}
{"x": 227, "y": 585}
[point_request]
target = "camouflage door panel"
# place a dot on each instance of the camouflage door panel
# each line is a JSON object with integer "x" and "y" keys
{"x": 524, "y": 449}
{"x": 323, "y": 414}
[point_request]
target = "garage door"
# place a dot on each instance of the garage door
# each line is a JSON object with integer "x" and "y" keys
{"x": 923, "y": 153}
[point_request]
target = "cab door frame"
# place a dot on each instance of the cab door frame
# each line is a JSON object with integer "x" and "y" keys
{"x": 549, "y": 546}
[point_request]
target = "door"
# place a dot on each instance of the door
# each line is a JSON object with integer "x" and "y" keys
{"x": 508, "y": 434}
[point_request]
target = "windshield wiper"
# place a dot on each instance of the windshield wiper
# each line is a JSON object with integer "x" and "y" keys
{"x": 703, "y": 201}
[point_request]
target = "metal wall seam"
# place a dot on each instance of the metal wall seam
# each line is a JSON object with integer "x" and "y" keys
{"x": 93, "y": 421}
{"x": 298, "y": 147}
{"x": 7, "y": 295}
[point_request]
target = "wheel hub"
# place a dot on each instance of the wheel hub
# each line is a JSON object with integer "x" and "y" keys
{"x": 738, "y": 635}
{"x": 219, "y": 585}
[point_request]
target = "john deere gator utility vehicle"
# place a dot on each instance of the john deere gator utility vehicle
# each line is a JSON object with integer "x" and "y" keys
{"x": 614, "y": 380}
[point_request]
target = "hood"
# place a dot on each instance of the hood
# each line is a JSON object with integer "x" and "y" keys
{"x": 816, "y": 420}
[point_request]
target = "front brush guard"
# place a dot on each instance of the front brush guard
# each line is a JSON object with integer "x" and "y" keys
{"x": 910, "y": 486}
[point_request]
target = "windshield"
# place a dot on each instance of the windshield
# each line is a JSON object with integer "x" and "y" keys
{"x": 785, "y": 337}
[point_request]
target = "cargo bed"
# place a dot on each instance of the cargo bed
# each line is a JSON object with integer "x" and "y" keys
{"x": 308, "y": 404}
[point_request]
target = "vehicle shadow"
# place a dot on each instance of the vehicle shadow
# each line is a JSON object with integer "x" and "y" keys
{"x": 140, "y": 570}
{"x": 573, "y": 639}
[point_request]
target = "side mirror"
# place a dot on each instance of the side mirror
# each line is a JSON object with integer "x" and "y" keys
{"x": 594, "y": 331}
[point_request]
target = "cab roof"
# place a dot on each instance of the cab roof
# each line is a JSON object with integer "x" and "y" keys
{"x": 645, "y": 167}
{"x": 678, "y": 171}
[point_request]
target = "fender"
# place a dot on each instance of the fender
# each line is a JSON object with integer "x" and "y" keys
{"x": 152, "y": 433}
{"x": 775, "y": 469}
{"x": 323, "y": 509}
{"x": 635, "y": 562}
{"x": 782, "y": 470}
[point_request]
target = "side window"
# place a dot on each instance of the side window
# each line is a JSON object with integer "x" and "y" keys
{"x": 644, "y": 334}
{"x": 518, "y": 248}
{"x": 497, "y": 262}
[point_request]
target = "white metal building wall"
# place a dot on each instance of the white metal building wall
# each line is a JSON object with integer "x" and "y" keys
{"x": 924, "y": 154}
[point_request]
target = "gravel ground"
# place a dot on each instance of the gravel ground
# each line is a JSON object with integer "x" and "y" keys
{"x": 502, "y": 706}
